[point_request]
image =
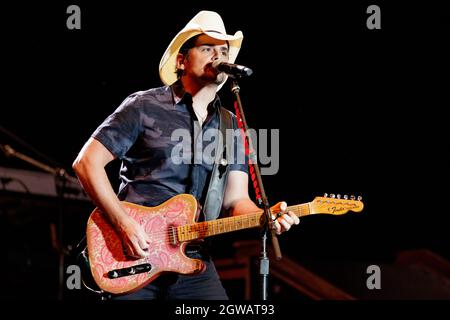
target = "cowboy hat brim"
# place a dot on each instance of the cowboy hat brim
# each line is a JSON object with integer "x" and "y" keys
{"x": 167, "y": 65}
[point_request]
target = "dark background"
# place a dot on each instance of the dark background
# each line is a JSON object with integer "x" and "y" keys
{"x": 359, "y": 112}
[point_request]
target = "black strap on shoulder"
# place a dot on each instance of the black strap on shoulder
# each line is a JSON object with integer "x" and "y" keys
{"x": 216, "y": 189}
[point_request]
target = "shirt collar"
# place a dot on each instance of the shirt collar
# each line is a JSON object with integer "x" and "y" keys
{"x": 179, "y": 94}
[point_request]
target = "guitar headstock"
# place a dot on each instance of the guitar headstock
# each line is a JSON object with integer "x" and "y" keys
{"x": 336, "y": 205}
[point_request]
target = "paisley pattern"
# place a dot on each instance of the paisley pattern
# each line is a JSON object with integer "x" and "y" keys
{"x": 106, "y": 250}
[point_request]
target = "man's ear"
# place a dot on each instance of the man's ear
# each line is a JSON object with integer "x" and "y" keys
{"x": 180, "y": 61}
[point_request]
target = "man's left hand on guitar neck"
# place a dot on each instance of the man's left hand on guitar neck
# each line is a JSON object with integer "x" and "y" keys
{"x": 237, "y": 202}
{"x": 283, "y": 219}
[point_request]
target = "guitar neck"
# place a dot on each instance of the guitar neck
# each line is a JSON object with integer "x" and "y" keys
{"x": 211, "y": 228}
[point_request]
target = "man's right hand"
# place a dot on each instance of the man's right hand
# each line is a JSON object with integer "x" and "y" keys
{"x": 90, "y": 169}
{"x": 135, "y": 240}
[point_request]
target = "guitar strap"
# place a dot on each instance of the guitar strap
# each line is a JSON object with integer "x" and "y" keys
{"x": 219, "y": 175}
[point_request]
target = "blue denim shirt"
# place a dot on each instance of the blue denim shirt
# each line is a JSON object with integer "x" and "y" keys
{"x": 140, "y": 132}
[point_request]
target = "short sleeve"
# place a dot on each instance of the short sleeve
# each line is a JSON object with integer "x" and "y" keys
{"x": 121, "y": 129}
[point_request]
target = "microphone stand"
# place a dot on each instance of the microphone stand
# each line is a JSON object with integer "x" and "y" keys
{"x": 61, "y": 176}
{"x": 268, "y": 224}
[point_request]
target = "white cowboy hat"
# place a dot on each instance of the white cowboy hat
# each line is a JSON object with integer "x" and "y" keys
{"x": 205, "y": 22}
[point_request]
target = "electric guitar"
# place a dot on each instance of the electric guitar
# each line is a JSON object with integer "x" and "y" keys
{"x": 171, "y": 226}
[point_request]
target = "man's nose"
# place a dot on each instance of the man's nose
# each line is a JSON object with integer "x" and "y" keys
{"x": 216, "y": 54}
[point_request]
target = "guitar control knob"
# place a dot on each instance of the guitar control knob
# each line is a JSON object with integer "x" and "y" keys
{"x": 332, "y": 195}
{"x": 345, "y": 197}
{"x": 352, "y": 197}
{"x": 338, "y": 196}
{"x": 359, "y": 198}
{"x": 325, "y": 195}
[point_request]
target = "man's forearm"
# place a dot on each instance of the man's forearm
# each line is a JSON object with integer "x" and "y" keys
{"x": 96, "y": 184}
{"x": 243, "y": 206}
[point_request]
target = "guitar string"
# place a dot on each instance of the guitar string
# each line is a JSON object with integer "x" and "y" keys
{"x": 213, "y": 225}
{"x": 205, "y": 226}
{"x": 160, "y": 236}
{"x": 217, "y": 224}
{"x": 202, "y": 226}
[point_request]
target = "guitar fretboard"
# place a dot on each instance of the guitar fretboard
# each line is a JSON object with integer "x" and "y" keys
{"x": 210, "y": 228}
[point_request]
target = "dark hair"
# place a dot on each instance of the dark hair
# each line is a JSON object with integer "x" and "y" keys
{"x": 189, "y": 44}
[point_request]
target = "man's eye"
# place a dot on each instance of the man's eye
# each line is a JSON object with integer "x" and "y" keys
{"x": 207, "y": 49}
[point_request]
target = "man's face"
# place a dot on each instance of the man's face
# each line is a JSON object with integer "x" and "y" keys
{"x": 198, "y": 62}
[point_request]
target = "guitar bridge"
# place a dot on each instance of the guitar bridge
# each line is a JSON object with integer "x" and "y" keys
{"x": 173, "y": 236}
{"x": 140, "y": 268}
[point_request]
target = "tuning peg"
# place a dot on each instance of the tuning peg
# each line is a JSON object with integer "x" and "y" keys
{"x": 352, "y": 197}
{"x": 345, "y": 196}
{"x": 332, "y": 195}
{"x": 338, "y": 196}
{"x": 359, "y": 198}
{"x": 325, "y": 195}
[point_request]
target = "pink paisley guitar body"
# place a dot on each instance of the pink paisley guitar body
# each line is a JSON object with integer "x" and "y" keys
{"x": 170, "y": 227}
{"x": 106, "y": 253}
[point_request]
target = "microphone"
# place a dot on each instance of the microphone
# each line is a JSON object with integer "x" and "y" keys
{"x": 232, "y": 69}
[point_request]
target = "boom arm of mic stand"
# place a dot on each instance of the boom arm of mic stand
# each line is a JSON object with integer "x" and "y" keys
{"x": 60, "y": 173}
